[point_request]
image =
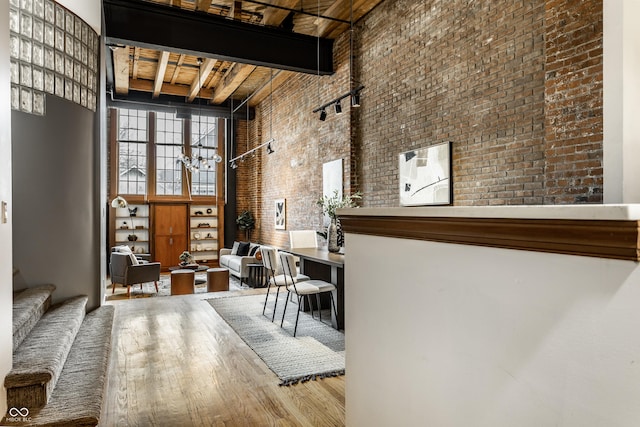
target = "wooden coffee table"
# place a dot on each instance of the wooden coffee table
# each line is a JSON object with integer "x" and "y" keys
{"x": 194, "y": 267}
{"x": 182, "y": 281}
{"x": 217, "y": 279}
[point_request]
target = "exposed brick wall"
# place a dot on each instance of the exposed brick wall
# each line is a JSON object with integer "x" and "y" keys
{"x": 460, "y": 71}
{"x": 520, "y": 100}
{"x": 573, "y": 101}
{"x": 302, "y": 144}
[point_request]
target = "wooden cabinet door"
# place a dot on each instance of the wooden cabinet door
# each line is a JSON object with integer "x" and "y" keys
{"x": 170, "y": 233}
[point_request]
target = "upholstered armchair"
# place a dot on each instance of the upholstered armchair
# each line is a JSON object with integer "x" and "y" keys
{"x": 127, "y": 271}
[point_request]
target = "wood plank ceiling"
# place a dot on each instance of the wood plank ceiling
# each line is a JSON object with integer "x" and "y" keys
{"x": 163, "y": 72}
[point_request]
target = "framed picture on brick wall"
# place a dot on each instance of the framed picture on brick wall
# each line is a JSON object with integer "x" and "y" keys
{"x": 425, "y": 176}
{"x": 281, "y": 214}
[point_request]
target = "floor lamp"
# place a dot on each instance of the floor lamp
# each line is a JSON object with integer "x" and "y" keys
{"x": 120, "y": 202}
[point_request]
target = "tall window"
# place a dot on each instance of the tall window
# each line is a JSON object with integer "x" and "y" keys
{"x": 169, "y": 143}
{"x": 204, "y": 141}
{"x": 132, "y": 151}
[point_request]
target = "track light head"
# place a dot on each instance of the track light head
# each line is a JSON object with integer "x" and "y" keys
{"x": 338, "y": 107}
{"x": 355, "y": 100}
{"x": 323, "y": 115}
{"x": 270, "y": 150}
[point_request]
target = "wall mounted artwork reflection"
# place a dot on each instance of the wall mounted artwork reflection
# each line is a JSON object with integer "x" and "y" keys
{"x": 53, "y": 52}
{"x": 425, "y": 176}
{"x": 281, "y": 214}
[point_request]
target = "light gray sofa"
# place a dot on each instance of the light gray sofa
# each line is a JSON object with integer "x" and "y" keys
{"x": 237, "y": 264}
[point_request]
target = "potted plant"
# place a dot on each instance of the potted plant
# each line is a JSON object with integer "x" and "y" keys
{"x": 246, "y": 222}
{"x": 335, "y": 238}
{"x": 186, "y": 258}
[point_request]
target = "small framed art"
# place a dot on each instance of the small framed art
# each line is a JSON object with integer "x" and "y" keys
{"x": 425, "y": 176}
{"x": 281, "y": 214}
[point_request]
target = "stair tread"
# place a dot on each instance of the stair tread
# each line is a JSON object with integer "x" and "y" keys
{"x": 77, "y": 397}
{"x": 28, "y": 306}
{"x": 40, "y": 357}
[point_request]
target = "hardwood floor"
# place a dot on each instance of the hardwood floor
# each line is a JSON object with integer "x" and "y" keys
{"x": 175, "y": 362}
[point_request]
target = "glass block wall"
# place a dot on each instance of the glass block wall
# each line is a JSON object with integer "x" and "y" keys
{"x": 54, "y": 53}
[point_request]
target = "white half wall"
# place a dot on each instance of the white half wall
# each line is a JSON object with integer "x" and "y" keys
{"x": 621, "y": 102}
{"x": 6, "y": 256}
{"x": 454, "y": 335}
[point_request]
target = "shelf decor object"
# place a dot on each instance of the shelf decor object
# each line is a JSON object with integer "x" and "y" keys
{"x": 121, "y": 202}
{"x": 203, "y": 233}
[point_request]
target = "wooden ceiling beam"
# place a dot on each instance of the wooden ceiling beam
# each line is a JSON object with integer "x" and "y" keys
{"x": 196, "y": 85}
{"x": 278, "y": 80}
{"x": 167, "y": 88}
{"x": 160, "y": 71}
{"x": 203, "y": 5}
{"x": 176, "y": 70}
{"x": 121, "y": 69}
{"x": 236, "y": 10}
{"x": 275, "y": 16}
{"x": 341, "y": 9}
{"x": 231, "y": 81}
{"x": 136, "y": 61}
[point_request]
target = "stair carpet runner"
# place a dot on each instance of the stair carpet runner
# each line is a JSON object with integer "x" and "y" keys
{"x": 60, "y": 360}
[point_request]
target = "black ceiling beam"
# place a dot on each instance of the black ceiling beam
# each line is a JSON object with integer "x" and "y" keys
{"x": 160, "y": 27}
{"x": 172, "y": 103}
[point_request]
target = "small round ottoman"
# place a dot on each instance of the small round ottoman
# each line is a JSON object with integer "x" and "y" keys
{"x": 182, "y": 282}
{"x": 217, "y": 279}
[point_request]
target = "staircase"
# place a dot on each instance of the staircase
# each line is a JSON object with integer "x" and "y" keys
{"x": 60, "y": 360}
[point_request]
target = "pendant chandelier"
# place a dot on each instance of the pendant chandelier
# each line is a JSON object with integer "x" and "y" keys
{"x": 196, "y": 161}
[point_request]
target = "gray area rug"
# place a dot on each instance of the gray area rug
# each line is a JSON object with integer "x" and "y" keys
{"x": 317, "y": 351}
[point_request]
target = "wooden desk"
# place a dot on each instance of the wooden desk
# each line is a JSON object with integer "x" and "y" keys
{"x": 322, "y": 264}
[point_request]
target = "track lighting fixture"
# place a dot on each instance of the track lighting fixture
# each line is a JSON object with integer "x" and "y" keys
{"x": 251, "y": 153}
{"x": 355, "y": 97}
{"x": 355, "y": 100}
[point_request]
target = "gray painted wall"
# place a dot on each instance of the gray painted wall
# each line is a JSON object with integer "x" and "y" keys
{"x": 56, "y": 233}
{"x": 6, "y": 300}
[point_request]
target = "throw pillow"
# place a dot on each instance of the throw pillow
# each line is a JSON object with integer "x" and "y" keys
{"x": 234, "y": 249}
{"x": 243, "y": 248}
{"x": 134, "y": 260}
{"x": 253, "y": 249}
{"x": 123, "y": 249}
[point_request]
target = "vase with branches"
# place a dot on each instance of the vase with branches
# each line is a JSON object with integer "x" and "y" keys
{"x": 329, "y": 205}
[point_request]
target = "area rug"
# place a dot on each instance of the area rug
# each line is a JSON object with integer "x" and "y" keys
{"x": 317, "y": 350}
{"x": 164, "y": 287}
